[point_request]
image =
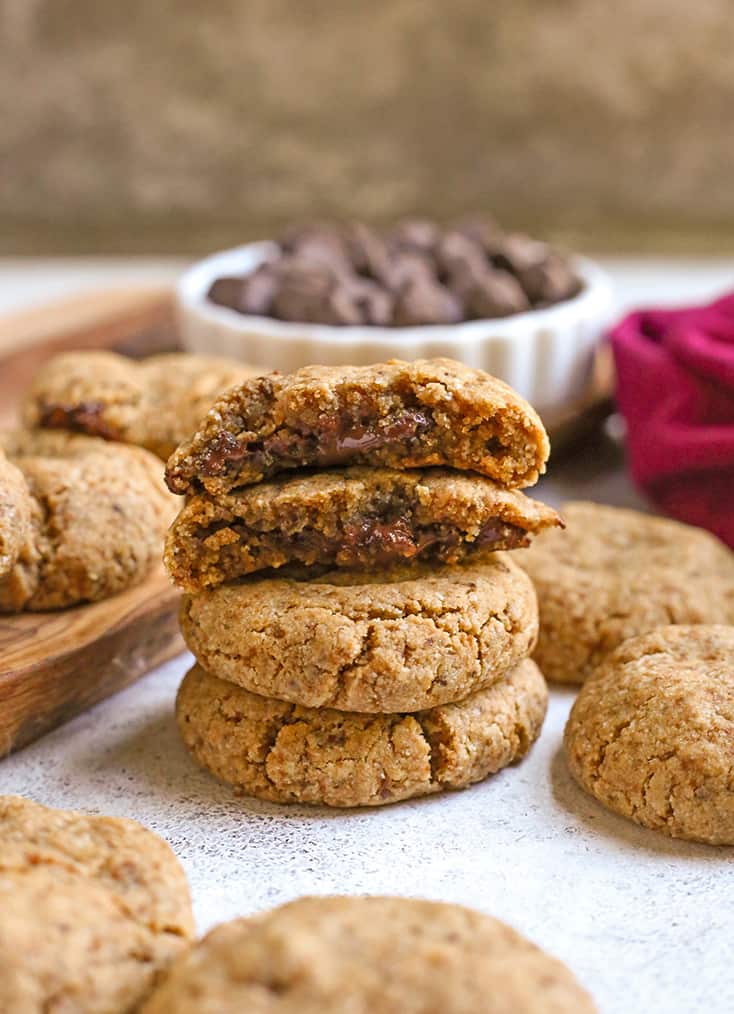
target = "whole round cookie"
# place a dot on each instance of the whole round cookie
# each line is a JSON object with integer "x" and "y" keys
{"x": 15, "y": 515}
{"x": 651, "y": 734}
{"x": 95, "y": 516}
{"x": 155, "y": 403}
{"x": 286, "y": 753}
{"x": 92, "y": 910}
{"x": 398, "y": 640}
{"x": 368, "y": 955}
{"x": 614, "y": 573}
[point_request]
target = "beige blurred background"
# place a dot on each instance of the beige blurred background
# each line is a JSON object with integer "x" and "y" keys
{"x": 179, "y": 126}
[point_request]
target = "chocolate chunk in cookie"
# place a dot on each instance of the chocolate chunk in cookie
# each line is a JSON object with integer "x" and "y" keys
{"x": 354, "y": 518}
{"x": 397, "y": 414}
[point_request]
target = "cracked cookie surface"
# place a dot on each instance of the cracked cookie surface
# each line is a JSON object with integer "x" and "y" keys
{"x": 92, "y": 911}
{"x": 286, "y": 753}
{"x": 368, "y": 955}
{"x": 16, "y": 516}
{"x": 97, "y": 514}
{"x": 614, "y": 573}
{"x": 154, "y": 403}
{"x": 355, "y": 517}
{"x": 399, "y": 640}
{"x": 651, "y": 734}
{"x": 397, "y": 414}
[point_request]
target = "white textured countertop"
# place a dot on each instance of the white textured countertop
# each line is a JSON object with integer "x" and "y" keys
{"x": 646, "y": 923}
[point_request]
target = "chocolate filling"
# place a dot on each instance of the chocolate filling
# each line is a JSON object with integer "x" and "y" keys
{"x": 376, "y": 541}
{"x": 338, "y": 440}
{"x": 86, "y": 417}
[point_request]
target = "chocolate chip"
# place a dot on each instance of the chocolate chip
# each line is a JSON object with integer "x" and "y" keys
{"x": 457, "y": 254}
{"x": 518, "y": 252}
{"x": 228, "y": 292}
{"x": 305, "y": 294}
{"x": 483, "y": 230}
{"x": 415, "y": 234}
{"x": 418, "y": 273}
{"x": 405, "y": 268}
{"x": 550, "y": 281}
{"x": 326, "y": 249}
{"x": 367, "y": 250}
{"x": 259, "y": 291}
{"x": 493, "y": 293}
{"x": 374, "y": 302}
{"x": 426, "y": 302}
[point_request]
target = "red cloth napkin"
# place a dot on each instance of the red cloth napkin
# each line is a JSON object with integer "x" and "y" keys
{"x": 675, "y": 388}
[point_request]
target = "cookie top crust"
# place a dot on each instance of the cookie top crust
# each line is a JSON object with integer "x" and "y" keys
{"x": 353, "y": 517}
{"x": 400, "y": 640}
{"x": 614, "y": 573}
{"x": 154, "y": 403}
{"x": 397, "y": 414}
{"x": 92, "y": 910}
{"x": 285, "y": 753}
{"x": 98, "y": 513}
{"x": 651, "y": 734}
{"x": 16, "y": 511}
{"x": 368, "y": 955}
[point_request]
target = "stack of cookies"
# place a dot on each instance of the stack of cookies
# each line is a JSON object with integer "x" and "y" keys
{"x": 359, "y": 637}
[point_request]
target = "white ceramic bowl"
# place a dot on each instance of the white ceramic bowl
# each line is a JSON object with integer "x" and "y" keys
{"x": 547, "y": 355}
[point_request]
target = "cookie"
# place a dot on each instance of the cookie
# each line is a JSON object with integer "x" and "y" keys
{"x": 361, "y": 518}
{"x": 368, "y": 955}
{"x": 397, "y": 414}
{"x": 289, "y": 754}
{"x": 154, "y": 403}
{"x": 651, "y": 734}
{"x": 92, "y": 911}
{"x": 400, "y": 640}
{"x": 97, "y": 516}
{"x": 615, "y": 573}
{"x": 16, "y": 511}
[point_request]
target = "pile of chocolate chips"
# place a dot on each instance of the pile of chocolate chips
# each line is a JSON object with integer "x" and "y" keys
{"x": 416, "y": 273}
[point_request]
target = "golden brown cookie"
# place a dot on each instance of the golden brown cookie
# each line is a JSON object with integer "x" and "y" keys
{"x": 364, "y": 518}
{"x": 651, "y": 734}
{"x": 92, "y": 911}
{"x": 400, "y": 640}
{"x": 154, "y": 403}
{"x": 368, "y": 955}
{"x": 97, "y": 511}
{"x": 614, "y": 573}
{"x": 396, "y": 414}
{"x": 16, "y": 513}
{"x": 289, "y": 754}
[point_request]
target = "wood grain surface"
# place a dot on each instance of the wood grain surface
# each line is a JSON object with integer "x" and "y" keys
{"x": 54, "y": 666}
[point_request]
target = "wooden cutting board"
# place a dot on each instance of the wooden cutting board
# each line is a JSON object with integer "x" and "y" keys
{"x": 53, "y": 666}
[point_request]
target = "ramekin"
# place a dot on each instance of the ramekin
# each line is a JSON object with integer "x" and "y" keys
{"x": 547, "y": 355}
